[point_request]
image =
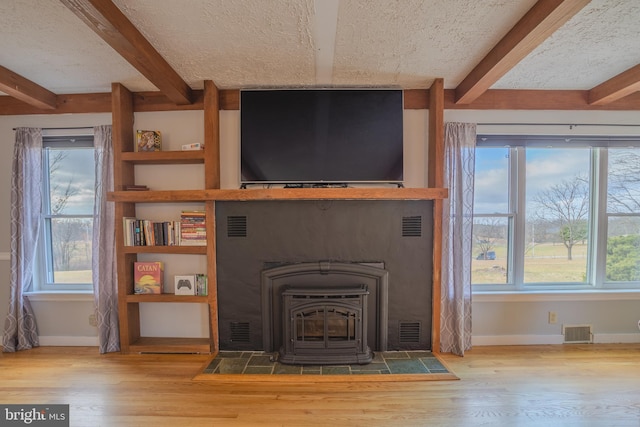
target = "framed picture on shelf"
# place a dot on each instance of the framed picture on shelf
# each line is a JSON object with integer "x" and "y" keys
{"x": 148, "y": 140}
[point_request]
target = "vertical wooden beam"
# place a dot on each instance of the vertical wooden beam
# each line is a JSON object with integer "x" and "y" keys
{"x": 435, "y": 179}
{"x": 123, "y": 174}
{"x": 212, "y": 181}
{"x": 435, "y": 165}
{"x": 212, "y": 274}
{"x": 211, "y": 135}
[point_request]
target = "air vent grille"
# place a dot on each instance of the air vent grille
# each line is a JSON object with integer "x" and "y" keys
{"x": 577, "y": 334}
{"x": 236, "y": 226}
{"x": 240, "y": 332}
{"x": 410, "y": 332}
{"x": 412, "y": 226}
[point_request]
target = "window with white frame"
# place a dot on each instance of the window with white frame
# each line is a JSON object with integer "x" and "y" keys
{"x": 67, "y": 217}
{"x": 556, "y": 213}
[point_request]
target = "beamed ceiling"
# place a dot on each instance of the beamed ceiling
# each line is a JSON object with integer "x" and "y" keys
{"x": 61, "y": 56}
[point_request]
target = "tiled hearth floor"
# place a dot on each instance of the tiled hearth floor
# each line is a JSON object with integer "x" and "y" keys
{"x": 390, "y": 362}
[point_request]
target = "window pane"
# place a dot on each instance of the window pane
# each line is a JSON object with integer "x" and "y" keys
{"x": 623, "y": 182}
{"x": 71, "y": 181}
{"x": 71, "y": 250}
{"x": 491, "y": 183}
{"x": 557, "y": 215}
{"x": 490, "y": 250}
{"x": 623, "y": 249}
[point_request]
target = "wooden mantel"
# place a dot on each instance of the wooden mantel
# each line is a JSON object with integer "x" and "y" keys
{"x": 280, "y": 194}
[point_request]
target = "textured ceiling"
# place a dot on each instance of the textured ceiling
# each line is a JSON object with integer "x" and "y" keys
{"x": 292, "y": 43}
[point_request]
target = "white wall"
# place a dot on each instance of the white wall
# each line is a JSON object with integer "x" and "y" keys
{"x": 498, "y": 319}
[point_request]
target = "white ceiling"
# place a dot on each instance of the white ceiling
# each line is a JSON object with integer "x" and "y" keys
{"x": 291, "y": 43}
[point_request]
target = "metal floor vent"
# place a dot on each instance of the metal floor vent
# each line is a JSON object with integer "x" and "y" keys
{"x": 236, "y": 226}
{"x": 240, "y": 332}
{"x": 411, "y": 226}
{"x": 574, "y": 334}
{"x": 410, "y": 332}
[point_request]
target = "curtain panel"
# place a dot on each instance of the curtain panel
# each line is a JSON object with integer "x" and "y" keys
{"x": 20, "y": 331}
{"x": 457, "y": 224}
{"x": 105, "y": 283}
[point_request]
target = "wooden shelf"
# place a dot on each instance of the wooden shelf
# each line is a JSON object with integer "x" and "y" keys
{"x": 170, "y": 345}
{"x": 187, "y": 250}
{"x": 135, "y": 298}
{"x": 279, "y": 194}
{"x": 164, "y": 157}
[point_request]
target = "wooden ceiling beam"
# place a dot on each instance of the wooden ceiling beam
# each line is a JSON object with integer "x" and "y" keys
{"x": 414, "y": 99}
{"x": 104, "y": 17}
{"x": 542, "y": 20}
{"x": 25, "y": 90}
{"x": 616, "y": 87}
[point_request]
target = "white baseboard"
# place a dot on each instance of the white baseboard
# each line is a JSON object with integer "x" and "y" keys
{"x": 62, "y": 341}
{"x": 516, "y": 339}
{"x": 487, "y": 340}
{"x": 616, "y": 338}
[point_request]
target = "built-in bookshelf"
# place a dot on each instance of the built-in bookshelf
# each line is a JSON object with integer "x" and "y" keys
{"x": 198, "y": 242}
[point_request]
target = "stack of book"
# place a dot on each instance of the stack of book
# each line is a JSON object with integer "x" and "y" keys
{"x": 193, "y": 230}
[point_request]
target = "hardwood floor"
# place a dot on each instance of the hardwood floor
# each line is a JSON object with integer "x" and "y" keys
{"x": 571, "y": 385}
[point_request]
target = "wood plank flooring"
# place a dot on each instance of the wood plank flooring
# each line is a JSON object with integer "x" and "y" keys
{"x": 570, "y": 385}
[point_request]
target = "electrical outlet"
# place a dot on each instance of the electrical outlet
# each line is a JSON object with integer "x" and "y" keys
{"x": 93, "y": 321}
{"x": 553, "y": 317}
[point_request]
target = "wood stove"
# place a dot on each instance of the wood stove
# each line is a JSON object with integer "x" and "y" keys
{"x": 325, "y": 326}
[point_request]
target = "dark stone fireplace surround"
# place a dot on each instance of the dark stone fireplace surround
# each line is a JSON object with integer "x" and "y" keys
{"x": 392, "y": 238}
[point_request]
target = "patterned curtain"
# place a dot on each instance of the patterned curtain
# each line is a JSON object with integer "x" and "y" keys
{"x": 457, "y": 223}
{"x": 20, "y": 332}
{"x": 105, "y": 284}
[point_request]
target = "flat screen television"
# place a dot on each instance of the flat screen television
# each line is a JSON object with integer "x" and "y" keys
{"x": 321, "y": 136}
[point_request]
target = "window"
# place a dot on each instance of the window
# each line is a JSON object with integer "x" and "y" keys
{"x": 556, "y": 213}
{"x": 67, "y": 217}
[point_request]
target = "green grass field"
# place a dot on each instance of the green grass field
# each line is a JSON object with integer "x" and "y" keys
{"x": 544, "y": 263}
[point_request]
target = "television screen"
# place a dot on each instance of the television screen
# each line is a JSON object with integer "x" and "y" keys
{"x": 312, "y": 136}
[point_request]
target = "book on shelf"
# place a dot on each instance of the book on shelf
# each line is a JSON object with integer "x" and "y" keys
{"x": 144, "y": 232}
{"x": 193, "y": 229}
{"x": 192, "y": 146}
{"x": 148, "y": 277}
{"x": 148, "y": 140}
{"x": 136, "y": 187}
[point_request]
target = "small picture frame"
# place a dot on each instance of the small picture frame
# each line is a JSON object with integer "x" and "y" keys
{"x": 185, "y": 284}
{"x": 148, "y": 140}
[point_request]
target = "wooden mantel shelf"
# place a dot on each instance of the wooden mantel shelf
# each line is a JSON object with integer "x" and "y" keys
{"x": 280, "y": 194}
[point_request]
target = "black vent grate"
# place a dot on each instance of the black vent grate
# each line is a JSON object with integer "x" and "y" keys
{"x": 412, "y": 226}
{"x": 240, "y": 331}
{"x": 236, "y": 226}
{"x": 410, "y": 332}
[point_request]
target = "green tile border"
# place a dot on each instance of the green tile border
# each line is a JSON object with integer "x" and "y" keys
{"x": 384, "y": 363}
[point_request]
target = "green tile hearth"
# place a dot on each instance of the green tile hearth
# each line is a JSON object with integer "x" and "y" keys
{"x": 388, "y": 362}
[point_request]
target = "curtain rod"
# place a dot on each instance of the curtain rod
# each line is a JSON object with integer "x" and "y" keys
{"x": 571, "y": 125}
{"x": 66, "y": 128}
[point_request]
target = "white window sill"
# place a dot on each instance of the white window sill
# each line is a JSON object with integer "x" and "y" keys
{"x": 60, "y": 296}
{"x": 577, "y": 295}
